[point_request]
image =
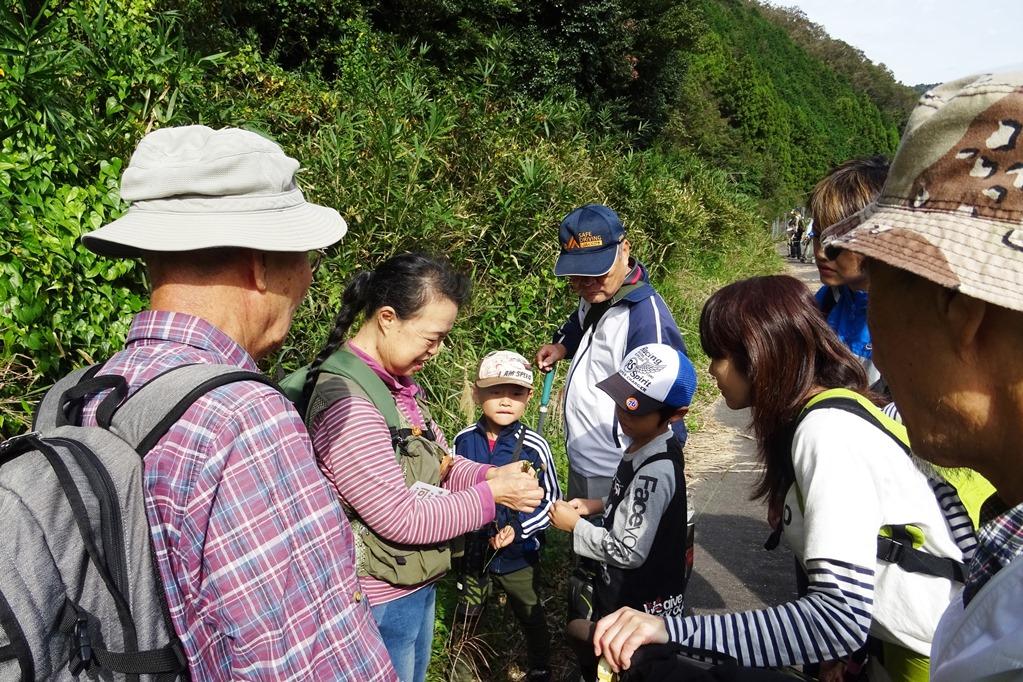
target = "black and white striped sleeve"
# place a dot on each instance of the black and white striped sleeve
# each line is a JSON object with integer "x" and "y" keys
{"x": 830, "y": 622}
{"x": 547, "y": 476}
{"x": 956, "y": 516}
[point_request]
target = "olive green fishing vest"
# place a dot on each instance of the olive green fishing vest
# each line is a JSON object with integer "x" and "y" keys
{"x": 344, "y": 375}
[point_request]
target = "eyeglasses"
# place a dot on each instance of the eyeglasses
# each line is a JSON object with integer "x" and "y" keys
{"x": 315, "y": 259}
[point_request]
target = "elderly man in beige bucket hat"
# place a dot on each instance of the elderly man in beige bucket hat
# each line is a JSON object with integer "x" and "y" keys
{"x": 254, "y": 552}
{"x": 945, "y": 242}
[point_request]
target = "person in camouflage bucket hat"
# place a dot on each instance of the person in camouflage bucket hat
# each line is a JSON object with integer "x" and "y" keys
{"x": 945, "y": 243}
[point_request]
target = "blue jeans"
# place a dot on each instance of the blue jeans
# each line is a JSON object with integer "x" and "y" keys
{"x": 406, "y": 626}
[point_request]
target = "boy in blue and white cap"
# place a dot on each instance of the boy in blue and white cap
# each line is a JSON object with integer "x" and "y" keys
{"x": 641, "y": 545}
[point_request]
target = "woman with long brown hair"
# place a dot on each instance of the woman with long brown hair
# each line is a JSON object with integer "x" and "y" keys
{"x": 838, "y": 476}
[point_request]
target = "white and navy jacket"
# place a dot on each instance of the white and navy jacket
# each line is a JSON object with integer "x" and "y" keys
{"x": 471, "y": 443}
{"x": 637, "y": 315}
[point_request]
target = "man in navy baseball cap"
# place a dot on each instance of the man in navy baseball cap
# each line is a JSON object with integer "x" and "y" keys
{"x": 591, "y": 238}
{"x": 618, "y": 312}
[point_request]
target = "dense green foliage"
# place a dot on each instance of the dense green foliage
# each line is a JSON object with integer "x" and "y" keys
{"x": 759, "y": 106}
{"x": 462, "y": 128}
{"x": 413, "y": 159}
{"x": 893, "y": 98}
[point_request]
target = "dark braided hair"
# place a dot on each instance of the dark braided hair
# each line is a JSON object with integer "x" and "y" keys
{"x": 405, "y": 282}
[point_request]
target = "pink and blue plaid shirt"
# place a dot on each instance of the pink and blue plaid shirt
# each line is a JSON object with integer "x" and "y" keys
{"x": 999, "y": 543}
{"x": 255, "y": 553}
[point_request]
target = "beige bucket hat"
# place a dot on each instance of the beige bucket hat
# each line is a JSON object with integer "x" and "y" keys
{"x": 193, "y": 187}
{"x": 952, "y": 208}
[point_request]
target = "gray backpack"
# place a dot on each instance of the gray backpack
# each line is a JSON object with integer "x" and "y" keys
{"x": 79, "y": 589}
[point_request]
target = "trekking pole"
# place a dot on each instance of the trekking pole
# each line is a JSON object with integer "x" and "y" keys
{"x": 545, "y": 399}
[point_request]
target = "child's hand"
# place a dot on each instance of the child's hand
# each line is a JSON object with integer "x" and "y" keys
{"x": 587, "y": 507}
{"x": 503, "y": 538}
{"x": 563, "y": 516}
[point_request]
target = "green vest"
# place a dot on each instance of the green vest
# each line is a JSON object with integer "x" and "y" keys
{"x": 343, "y": 375}
{"x": 900, "y": 544}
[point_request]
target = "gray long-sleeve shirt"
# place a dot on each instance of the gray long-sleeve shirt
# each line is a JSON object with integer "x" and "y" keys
{"x": 627, "y": 542}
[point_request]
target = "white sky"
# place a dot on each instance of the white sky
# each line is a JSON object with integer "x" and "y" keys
{"x": 924, "y": 41}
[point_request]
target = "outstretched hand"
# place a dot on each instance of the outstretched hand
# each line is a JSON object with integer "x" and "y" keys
{"x": 563, "y": 516}
{"x": 587, "y": 506}
{"x": 503, "y": 538}
{"x": 617, "y": 636}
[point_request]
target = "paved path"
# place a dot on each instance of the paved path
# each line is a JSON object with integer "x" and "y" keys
{"x": 732, "y": 571}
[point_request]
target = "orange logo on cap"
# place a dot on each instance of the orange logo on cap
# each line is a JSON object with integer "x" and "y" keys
{"x": 631, "y": 403}
{"x": 588, "y": 240}
{"x": 572, "y": 244}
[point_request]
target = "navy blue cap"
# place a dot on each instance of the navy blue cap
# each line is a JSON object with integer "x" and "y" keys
{"x": 590, "y": 236}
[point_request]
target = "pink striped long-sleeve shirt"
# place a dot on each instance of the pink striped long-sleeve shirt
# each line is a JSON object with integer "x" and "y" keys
{"x": 353, "y": 446}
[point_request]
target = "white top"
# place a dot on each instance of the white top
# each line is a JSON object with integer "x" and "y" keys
{"x": 852, "y": 484}
{"x": 854, "y": 478}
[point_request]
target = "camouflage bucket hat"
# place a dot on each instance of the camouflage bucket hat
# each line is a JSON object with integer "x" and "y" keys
{"x": 952, "y": 208}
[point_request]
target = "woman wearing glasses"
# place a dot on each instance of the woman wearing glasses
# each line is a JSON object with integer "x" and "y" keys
{"x": 384, "y": 455}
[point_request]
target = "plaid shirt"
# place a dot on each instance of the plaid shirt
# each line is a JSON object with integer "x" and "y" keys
{"x": 1000, "y": 541}
{"x": 255, "y": 554}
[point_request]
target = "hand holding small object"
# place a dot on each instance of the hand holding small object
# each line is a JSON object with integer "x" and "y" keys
{"x": 503, "y": 538}
{"x": 515, "y": 489}
{"x": 587, "y": 506}
{"x": 550, "y": 354}
{"x": 563, "y": 516}
{"x": 445, "y": 466}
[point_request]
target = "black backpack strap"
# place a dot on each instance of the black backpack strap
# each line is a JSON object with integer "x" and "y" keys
{"x": 166, "y": 662}
{"x": 144, "y": 418}
{"x": 899, "y": 550}
{"x": 18, "y": 648}
{"x": 594, "y": 314}
{"x": 49, "y": 413}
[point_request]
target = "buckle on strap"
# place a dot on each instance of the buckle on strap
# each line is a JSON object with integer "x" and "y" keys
{"x": 81, "y": 647}
{"x": 889, "y": 550}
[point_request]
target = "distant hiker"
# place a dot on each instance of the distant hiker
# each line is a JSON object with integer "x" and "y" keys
{"x": 843, "y": 298}
{"x": 640, "y": 541}
{"x": 806, "y": 243}
{"x": 795, "y": 231}
{"x": 618, "y": 312}
{"x": 945, "y": 243}
{"x": 858, "y": 512}
{"x": 385, "y": 456}
{"x": 507, "y": 553}
{"x": 254, "y": 551}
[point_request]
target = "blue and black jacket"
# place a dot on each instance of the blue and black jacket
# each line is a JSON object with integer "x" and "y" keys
{"x": 471, "y": 443}
{"x": 597, "y": 338}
